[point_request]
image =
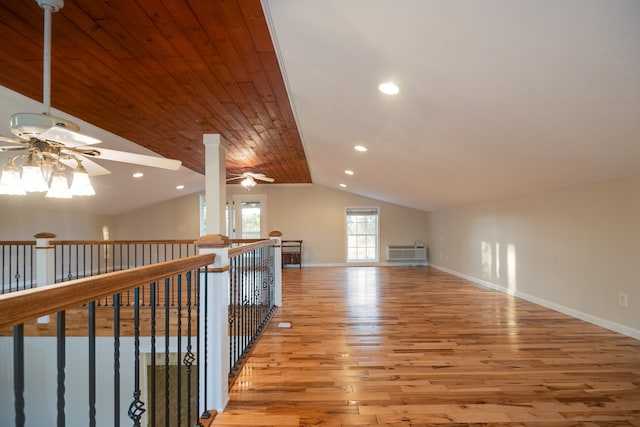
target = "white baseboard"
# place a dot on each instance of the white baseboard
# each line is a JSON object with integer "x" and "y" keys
{"x": 369, "y": 264}
{"x": 613, "y": 326}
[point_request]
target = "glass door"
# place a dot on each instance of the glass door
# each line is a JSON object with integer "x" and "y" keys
{"x": 250, "y": 216}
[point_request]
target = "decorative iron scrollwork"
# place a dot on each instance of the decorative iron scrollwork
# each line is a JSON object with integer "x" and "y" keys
{"x": 136, "y": 409}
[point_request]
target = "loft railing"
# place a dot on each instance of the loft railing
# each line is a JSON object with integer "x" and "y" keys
{"x": 17, "y": 260}
{"x": 251, "y": 297}
{"x": 165, "y": 335}
{"x": 74, "y": 259}
{"x": 82, "y": 258}
{"x": 154, "y": 322}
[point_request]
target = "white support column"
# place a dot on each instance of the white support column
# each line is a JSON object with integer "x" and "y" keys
{"x": 215, "y": 183}
{"x": 277, "y": 265}
{"x": 215, "y": 297}
{"x": 45, "y": 264}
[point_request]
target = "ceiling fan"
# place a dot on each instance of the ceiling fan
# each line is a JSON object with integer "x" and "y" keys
{"x": 249, "y": 179}
{"x": 50, "y": 145}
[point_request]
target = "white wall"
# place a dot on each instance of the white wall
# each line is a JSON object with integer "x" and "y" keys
{"x": 316, "y": 215}
{"x": 22, "y": 217}
{"x": 573, "y": 250}
{"x": 177, "y": 218}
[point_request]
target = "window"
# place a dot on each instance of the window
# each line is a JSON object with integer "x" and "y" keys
{"x": 362, "y": 234}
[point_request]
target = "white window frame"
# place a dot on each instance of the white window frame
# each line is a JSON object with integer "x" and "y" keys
{"x": 349, "y": 212}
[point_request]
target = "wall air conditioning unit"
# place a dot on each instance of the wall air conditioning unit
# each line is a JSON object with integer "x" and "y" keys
{"x": 416, "y": 252}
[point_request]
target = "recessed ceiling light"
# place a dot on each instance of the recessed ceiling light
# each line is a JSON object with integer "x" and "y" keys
{"x": 360, "y": 148}
{"x": 179, "y": 187}
{"x": 343, "y": 185}
{"x": 389, "y": 88}
{"x": 348, "y": 172}
{"x": 138, "y": 175}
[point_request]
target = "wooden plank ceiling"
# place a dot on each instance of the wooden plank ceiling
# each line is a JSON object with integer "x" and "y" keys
{"x": 162, "y": 73}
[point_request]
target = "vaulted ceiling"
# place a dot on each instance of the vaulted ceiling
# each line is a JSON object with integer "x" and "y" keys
{"x": 161, "y": 74}
{"x": 498, "y": 98}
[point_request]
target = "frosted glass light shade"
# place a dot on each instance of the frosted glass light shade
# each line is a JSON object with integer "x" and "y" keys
{"x": 248, "y": 182}
{"x": 81, "y": 186}
{"x": 32, "y": 180}
{"x": 10, "y": 182}
{"x": 59, "y": 187}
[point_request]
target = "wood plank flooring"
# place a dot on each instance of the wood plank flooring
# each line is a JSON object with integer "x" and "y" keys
{"x": 400, "y": 346}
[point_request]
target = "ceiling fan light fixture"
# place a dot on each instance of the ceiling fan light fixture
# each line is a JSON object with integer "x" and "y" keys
{"x": 248, "y": 182}
{"x": 81, "y": 185}
{"x": 33, "y": 178}
{"x": 10, "y": 182}
{"x": 59, "y": 186}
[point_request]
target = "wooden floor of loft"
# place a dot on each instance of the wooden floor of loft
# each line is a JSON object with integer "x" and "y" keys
{"x": 414, "y": 346}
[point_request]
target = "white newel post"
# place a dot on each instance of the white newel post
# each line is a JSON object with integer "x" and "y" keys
{"x": 214, "y": 336}
{"x": 45, "y": 259}
{"x": 277, "y": 265}
{"x": 45, "y": 263}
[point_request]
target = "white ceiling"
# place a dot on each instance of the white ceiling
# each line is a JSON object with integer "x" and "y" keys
{"x": 498, "y": 98}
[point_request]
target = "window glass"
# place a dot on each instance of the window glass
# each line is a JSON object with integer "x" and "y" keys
{"x": 362, "y": 234}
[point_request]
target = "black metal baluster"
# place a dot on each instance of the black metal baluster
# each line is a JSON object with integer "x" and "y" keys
{"x": 236, "y": 311}
{"x": 143, "y": 264}
{"x": 189, "y": 356}
{"x": 3, "y": 267}
{"x": 32, "y": 266}
{"x": 77, "y": 261}
{"x": 55, "y": 264}
{"x": 116, "y": 360}
{"x": 11, "y": 276}
{"x": 136, "y": 408}
{"x": 167, "y": 336}
{"x": 61, "y": 358}
{"x": 205, "y": 414}
{"x": 152, "y": 397}
{"x": 24, "y": 267}
{"x": 245, "y": 299}
{"x": 178, "y": 363}
{"x": 231, "y": 312}
{"x": 129, "y": 266}
{"x": 69, "y": 261}
{"x": 91, "y": 258}
{"x": 18, "y": 374}
{"x": 92, "y": 364}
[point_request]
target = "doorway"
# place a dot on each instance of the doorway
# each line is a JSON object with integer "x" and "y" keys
{"x": 249, "y": 213}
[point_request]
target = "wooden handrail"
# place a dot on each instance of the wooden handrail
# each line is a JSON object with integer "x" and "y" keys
{"x": 121, "y": 242}
{"x": 100, "y": 242}
{"x": 238, "y": 250}
{"x": 18, "y": 307}
{"x": 18, "y": 243}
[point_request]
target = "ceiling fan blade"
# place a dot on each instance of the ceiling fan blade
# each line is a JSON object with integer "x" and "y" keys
{"x": 93, "y": 169}
{"x": 12, "y": 148}
{"x": 126, "y": 157}
{"x": 260, "y": 176}
{"x": 263, "y": 178}
{"x": 13, "y": 141}
{"x": 66, "y": 137}
{"x": 234, "y": 178}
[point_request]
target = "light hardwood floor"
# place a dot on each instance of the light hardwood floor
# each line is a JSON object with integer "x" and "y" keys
{"x": 413, "y": 346}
